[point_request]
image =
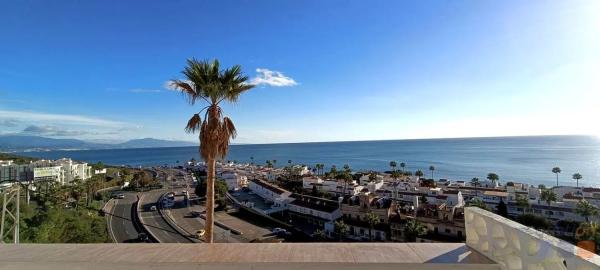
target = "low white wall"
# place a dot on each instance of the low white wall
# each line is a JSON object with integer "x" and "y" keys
{"x": 515, "y": 246}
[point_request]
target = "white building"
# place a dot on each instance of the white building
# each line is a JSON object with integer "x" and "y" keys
{"x": 268, "y": 192}
{"x": 63, "y": 171}
{"x": 327, "y": 210}
{"x": 234, "y": 180}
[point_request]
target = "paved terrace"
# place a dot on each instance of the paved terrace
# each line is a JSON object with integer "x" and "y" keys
{"x": 372, "y": 256}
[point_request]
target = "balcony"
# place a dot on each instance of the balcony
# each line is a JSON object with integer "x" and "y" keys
{"x": 492, "y": 243}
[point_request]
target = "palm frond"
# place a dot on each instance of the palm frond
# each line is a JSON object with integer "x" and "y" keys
{"x": 193, "y": 124}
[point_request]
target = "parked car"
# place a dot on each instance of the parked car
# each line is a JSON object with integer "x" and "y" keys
{"x": 142, "y": 237}
{"x": 279, "y": 230}
{"x": 196, "y": 213}
{"x": 153, "y": 208}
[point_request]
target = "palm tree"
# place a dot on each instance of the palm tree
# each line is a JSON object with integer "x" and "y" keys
{"x": 475, "y": 183}
{"x": 586, "y": 209}
{"x": 419, "y": 173}
{"x": 252, "y": 160}
{"x": 402, "y": 165}
{"x": 206, "y": 82}
{"x": 548, "y": 196}
{"x": 493, "y": 177}
{"x": 274, "y": 162}
{"x": 289, "y": 161}
{"x": 347, "y": 168}
{"x": 373, "y": 220}
{"x": 523, "y": 202}
{"x": 556, "y": 170}
{"x": 393, "y": 165}
{"x": 413, "y": 229}
{"x": 395, "y": 176}
{"x": 431, "y": 168}
{"x": 577, "y": 177}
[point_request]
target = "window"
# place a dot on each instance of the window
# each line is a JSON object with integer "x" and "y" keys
{"x": 447, "y": 230}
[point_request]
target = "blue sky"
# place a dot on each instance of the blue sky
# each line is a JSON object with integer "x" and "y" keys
{"x": 329, "y": 70}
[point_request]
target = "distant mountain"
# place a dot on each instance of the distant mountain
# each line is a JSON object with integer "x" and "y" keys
{"x": 19, "y": 143}
{"x": 152, "y": 143}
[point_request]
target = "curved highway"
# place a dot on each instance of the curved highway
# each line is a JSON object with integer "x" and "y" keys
{"x": 120, "y": 222}
{"x": 155, "y": 223}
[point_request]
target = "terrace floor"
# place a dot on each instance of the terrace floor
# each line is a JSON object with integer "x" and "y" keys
{"x": 244, "y": 256}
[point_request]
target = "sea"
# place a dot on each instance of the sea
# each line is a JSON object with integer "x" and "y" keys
{"x": 519, "y": 159}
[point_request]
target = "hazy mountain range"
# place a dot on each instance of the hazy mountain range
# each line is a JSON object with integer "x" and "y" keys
{"x": 22, "y": 143}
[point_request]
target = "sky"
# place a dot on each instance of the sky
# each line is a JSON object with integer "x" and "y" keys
{"x": 325, "y": 70}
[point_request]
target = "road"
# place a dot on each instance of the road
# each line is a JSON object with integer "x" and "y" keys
{"x": 181, "y": 215}
{"x": 120, "y": 222}
{"x": 155, "y": 223}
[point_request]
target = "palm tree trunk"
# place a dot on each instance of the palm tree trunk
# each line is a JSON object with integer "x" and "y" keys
{"x": 210, "y": 201}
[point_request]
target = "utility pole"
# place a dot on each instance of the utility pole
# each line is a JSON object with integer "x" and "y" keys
{"x": 10, "y": 215}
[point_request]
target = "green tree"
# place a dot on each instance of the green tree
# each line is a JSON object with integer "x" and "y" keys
{"x": 402, "y": 165}
{"x": 556, "y": 170}
{"x": 372, "y": 176}
{"x": 206, "y": 82}
{"x": 414, "y": 229}
{"x": 586, "y": 209}
{"x": 319, "y": 235}
{"x": 523, "y": 202}
{"x": 477, "y": 202}
{"x": 419, "y": 173}
{"x": 373, "y": 220}
{"x": 577, "y": 177}
{"x": 539, "y": 223}
{"x": 341, "y": 229}
{"x": 501, "y": 209}
{"x": 548, "y": 196}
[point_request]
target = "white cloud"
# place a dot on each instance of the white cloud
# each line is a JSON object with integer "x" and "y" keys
{"x": 141, "y": 90}
{"x": 26, "y": 116}
{"x": 52, "y": 131}
{"x": 272, "y": 78}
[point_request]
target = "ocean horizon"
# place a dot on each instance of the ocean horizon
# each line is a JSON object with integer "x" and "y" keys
{"x": 527, "y": 159}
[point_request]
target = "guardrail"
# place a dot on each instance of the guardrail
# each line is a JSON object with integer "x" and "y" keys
{"x": 138, "y": 220}
{"x": 109, "y": 219}
{"x": 515, "y": 246}
{"x": 172, "y": 223}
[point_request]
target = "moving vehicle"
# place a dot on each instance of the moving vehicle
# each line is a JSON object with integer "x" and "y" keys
{"x": 199, "y": 234}
{"x": 153, "y": 208}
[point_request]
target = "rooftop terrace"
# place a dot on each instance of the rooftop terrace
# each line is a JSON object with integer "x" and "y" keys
{"x": 493, "y": 242}
{"x": 243, "y": 256}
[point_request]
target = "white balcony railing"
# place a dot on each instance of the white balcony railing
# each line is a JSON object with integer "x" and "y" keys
{"x": 515, "y": 246}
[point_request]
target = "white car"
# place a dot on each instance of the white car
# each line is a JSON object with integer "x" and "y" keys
{"x": 279, "y": 230}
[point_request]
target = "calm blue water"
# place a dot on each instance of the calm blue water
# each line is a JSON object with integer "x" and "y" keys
{"x": 522, "y": 159}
